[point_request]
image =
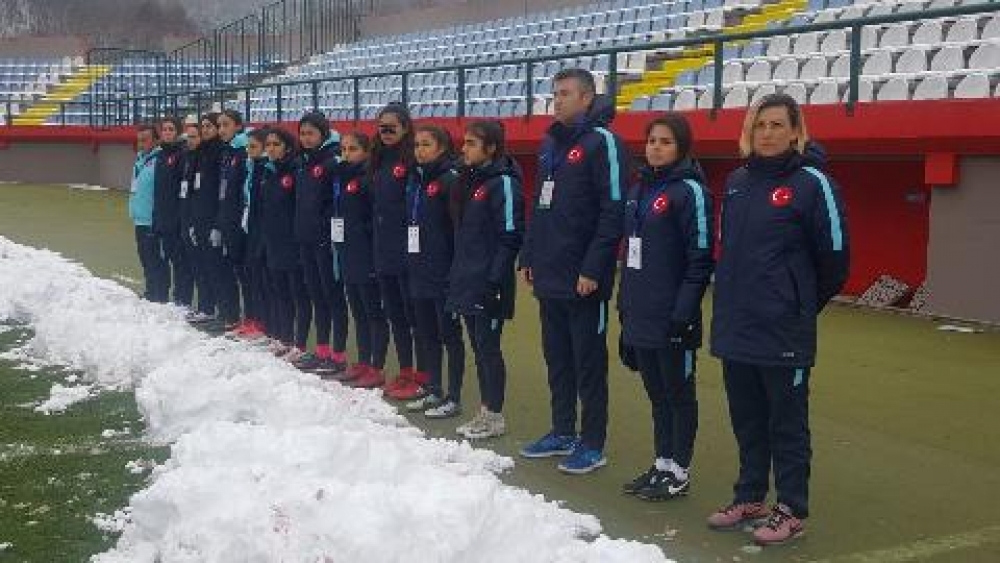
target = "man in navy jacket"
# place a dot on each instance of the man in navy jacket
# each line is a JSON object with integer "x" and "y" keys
{"x": 569, "y": 257}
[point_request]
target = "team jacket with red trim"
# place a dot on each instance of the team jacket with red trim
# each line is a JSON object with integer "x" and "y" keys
{"x": 355, "y": 207}
{"x": 278, "y": 193}
{"x": 428, "y": 206}
{"x": 670, "y": 212}
{"x": 388, "y": 197}
{"x": 232, "y": 179}
{"x": 579, "y": 232}
{"x": 488, "y": 236}
{"x": 166, "y": 196}
{"x": 314, "y": 196}
{"x": 784, "y": 254}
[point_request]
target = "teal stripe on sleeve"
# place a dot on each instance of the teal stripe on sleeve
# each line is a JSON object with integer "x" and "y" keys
{"x": 831, "y": 209}
{"x": 699, "y": 203}
{"x": 614, "y": 173}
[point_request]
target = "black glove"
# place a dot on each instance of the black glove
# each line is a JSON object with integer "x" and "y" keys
{"x": 626, "y": 354}
{"x": 682, "y": 334}
{"x": 491, "y": 302}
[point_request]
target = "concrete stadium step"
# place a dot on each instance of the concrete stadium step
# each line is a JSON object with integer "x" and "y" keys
{"x": 68, "y": 90}
{"x": 695, "y": 57}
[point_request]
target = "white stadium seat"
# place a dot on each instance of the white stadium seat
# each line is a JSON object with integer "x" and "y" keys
{"x": 976, "y": 85}
{"x": 931, "y": 88}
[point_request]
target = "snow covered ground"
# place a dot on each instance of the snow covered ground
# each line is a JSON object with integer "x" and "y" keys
{"x": 271, "y": 465}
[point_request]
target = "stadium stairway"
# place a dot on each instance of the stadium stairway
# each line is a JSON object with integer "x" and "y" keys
{"x": 78, "y": 82}
{"x": 695, "y": 57}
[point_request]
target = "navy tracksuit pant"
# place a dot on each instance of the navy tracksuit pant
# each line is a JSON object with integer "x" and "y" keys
{"x": 396, "y": 300}
{"x": 669, "y": 377}
{"x": 202, "y": 278}
{"x": 255, "y": 298}
{"x": 217, "y": 271}
{"x": 574, "y": 340}
{"x": 293, "y": 309}
{"x": 440, "y": 331}
{"x": 155, "y": 268}
{"x": 326, "y": 292}
{"x": 769, "y": 409}
{"x": 484, "y": 335}
{"x": 179, "y": 261}
{"x": 370, "y": 326}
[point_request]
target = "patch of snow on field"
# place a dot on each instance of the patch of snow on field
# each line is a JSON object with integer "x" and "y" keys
{"x": 269, "y": 464}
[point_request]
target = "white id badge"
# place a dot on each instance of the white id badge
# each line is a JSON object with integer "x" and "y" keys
{"x": 134, "y": 188}
{"x": 545, "y": 198}
{"x": 245, "y": 222}
{"x": 184, "y": 189}
{"x": 634, "y": 259}
{"x": 223, "y": 186}
{"x": 337, "y": 229}
{"x": 197, "y": 181}
{"x": 413, "y": 239}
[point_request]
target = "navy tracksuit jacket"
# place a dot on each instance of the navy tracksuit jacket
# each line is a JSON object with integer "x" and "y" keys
{"x": 578, "y": 234}
{"x": 278, "y": 198}
{"x": 428, "y": 207}
{"x": 783, "y": 255}
{"x": 670, "y": 211}
{"x": 488, "y": 236}
{"x": 388, "y": 197}
{"x": 352, "y": 202}
{"x": 314, "y": 193}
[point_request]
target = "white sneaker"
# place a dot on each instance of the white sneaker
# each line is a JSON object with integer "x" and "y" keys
{"x": 428, "y": 401}
{"x": 293, "y": 355}
{"x": 476, "y": 421}
{"x": 277, "y": 348}
{"x": 491, "y": 425}
{"x": 447, "y": 409}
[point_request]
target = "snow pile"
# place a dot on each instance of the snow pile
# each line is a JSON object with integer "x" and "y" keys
{"x": 268, "y": 464}
{"x": 61, "y": 398}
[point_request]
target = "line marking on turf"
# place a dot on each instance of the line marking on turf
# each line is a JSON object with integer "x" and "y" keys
{"x": 922, "y": 549}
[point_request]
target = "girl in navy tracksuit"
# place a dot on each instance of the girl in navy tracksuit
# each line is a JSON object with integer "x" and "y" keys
{"x": 481, "y": 285}
{"x": 205, "y": 311}
{"x": 667, "y": 268}
{"x": 293, "y": 310}
{"x": 231, "y": 274}
{"x": 352, "y": 216}
{"x": 428, "y": 260}
{"x": 391, "y": 163}
{"x": 256, "y": 302}
{"x": 313, "y": 230}
{"x": 203, "y": 231}
{"x": 783, "y": 256}
{"x": 166, "y": 209}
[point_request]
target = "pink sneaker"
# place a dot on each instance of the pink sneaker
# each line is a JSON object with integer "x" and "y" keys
{"x": 781, "y": 527}
{"x": 735, "y": 515}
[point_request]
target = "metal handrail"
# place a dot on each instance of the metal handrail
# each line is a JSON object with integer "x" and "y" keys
{"x": 717, "y": 40}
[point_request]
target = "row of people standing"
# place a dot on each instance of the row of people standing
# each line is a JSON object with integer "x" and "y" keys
{"x": 422, "y": 243}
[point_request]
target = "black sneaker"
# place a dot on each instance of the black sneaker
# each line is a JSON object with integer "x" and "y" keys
{"x": 640, "y": 482}
{"x": 214, "y": 326}
{"x": 664, "y": 486}
{"x": 308, "y": 362}
{"x": 329, "y": 368}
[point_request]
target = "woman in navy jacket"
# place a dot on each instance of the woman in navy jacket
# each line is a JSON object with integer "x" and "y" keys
{"x": 481, "y": 285}
{"x": 352, "y": 216}
{"x": 391, "y": 164}
{"x": 667, "y": 268}
{"x": 293, "y": 310}
{"x": 203, "y": 196}
{"x": 428, "y": 259}
{"x": 783, "y": 256}
{"x": 313, "y": 200}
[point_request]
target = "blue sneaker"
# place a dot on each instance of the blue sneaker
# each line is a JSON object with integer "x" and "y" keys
{"x": 583, "y": 460}
{"x": 549, "y": 445}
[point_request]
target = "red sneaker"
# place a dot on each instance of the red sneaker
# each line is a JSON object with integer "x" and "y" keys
{"x": 782, "y": 526}
{"x": 371, "y": 379}
{"x": 735, "y": 515}
{"x": 405, "y": 375}
{"x": 252, "y": 331}
{"x": 414, "y": 388}
{"x": 352, "y": 373}
{"x": 239, "y": 330}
